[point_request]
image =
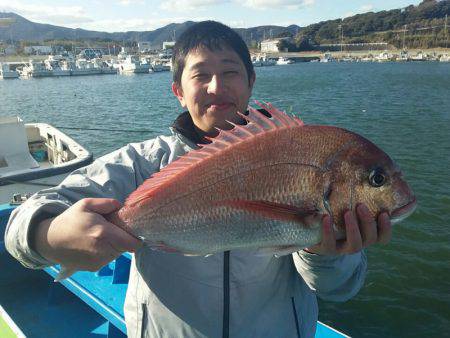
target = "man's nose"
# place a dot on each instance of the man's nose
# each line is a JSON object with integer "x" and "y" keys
{"x": 216, "y": 85}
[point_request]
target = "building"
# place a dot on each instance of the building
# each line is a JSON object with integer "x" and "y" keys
{"x": 10, "y": 50}
{"x": 38, "y": 50}
{"x": 271, "y": 45}
{"x": 168, "y": 44}
{"x": 144, "y": 47}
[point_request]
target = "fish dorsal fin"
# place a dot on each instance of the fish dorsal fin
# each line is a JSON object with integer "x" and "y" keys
{"x": 257, "y": 123}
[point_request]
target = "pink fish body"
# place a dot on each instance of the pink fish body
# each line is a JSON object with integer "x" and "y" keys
{"x": 264, "y": 186}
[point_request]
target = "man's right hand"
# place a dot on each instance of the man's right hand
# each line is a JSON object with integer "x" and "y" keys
{"x": 81, "y": 238}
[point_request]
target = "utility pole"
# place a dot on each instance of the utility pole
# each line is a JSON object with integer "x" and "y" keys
{"x": 342, "y": 37}
{"x": 445, "y": 29}
{"x": 404, "y": 33}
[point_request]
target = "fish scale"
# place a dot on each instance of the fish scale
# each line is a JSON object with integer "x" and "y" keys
{"x": 263, "y": 185}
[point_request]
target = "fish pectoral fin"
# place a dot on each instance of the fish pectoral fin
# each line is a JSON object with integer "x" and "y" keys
{"x": 278, "y": 251}
{"x": 306, "y": 214}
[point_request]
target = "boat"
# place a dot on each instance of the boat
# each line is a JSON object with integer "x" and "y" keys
{"x": 84, "y": 67}
{"x": 327, "y": 57}
{"x": 444, "y": 58}
{"x": 256, "y": 62}
{"x": 87, "y": 304}
{"x": 384, "y": 57}
{"x": 103, "y": 66}
{"x": 34, "y": 156}
{"x": 284, "y": 61}
{"x": 420, "y": 56}
{"x": 132, "y": 65}
{"x": 35, "y": 69}
{"x": 160, "y": 65}
{"x": 53, "y": 63}
{"x": 7, "y": 73}
{"x": 403, "y": 56}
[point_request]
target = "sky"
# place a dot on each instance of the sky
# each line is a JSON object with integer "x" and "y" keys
{"x": 145, "y": 15}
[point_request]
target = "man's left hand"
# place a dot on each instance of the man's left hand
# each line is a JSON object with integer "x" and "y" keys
{"x": 361, "y": 230}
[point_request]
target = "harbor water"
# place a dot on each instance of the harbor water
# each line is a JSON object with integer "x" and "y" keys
{"x": 402, "y": 107}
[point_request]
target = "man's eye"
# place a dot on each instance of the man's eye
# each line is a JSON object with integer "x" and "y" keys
{"x": 231, "y": 72}
{"x": 200, "y": 76}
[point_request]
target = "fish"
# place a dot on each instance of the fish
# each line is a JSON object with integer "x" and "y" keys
{"x": 264, "y": 185}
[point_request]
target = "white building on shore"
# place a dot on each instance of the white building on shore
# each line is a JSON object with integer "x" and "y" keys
{"x": 271, "y": 45}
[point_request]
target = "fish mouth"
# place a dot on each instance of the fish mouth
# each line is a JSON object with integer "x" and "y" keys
{"x": 404, "y": 211}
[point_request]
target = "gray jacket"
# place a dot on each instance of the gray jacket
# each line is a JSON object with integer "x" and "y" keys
{"x": 170, "y": 295}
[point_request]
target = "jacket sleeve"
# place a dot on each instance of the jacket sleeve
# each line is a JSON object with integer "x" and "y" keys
{"x": 114, "y": 175}
{"x": 334, "y": 278}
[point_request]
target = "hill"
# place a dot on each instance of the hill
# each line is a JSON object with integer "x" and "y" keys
{"x": 421, "y": 26}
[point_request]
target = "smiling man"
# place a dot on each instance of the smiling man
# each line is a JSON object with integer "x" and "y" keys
{"x": 232, "y": 294}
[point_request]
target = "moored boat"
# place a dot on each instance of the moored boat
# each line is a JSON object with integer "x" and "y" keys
{"x": 284, "y": 61}
{"x": 7, "y": 73}
{"x": 34, "y": 156}
{"x": 35, "y": 69}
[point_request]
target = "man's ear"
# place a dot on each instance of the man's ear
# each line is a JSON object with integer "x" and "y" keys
{"x": 178, "y": 92}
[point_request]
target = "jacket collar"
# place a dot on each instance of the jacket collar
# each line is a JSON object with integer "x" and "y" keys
{"x": 184, "y": 125}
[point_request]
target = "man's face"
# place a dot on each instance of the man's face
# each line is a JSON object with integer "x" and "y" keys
{"x": 214, "y": 86}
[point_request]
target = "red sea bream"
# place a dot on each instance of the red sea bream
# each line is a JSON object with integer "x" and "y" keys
{"x": 264, "y": 185}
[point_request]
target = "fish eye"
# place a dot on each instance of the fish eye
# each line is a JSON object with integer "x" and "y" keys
{"x": 377, "y": 178}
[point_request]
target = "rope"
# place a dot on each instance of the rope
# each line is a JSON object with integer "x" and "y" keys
{"x": 106, "y": 129}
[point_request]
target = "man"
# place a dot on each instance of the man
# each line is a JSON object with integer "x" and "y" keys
{"x": 236, "y": 294}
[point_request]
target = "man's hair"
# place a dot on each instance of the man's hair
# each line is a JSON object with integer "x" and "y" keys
{"x": 214, "y": 36}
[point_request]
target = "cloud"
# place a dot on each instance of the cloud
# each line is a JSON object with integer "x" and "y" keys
{"x": 180, "y": 5}
{"x": 360, "y": 10}
{"x": 136, "y": 24}
{"x": 365, "y": 8}
{"x": 131, "y": 2}
{"x": 278, "y": 4}
{"x": 57, "y": 15}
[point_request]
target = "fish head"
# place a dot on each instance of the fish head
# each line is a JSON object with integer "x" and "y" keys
{"x": 363, "y": 173}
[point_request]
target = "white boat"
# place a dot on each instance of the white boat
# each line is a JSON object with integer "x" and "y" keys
{"x": 35, "y": 69}
{"x": 384, "y": 57}
{"x": 160, "y": 65}
{"x": 284, "y": 61}
{"x": 35, "y": 156}
{"x": 85, "y": 67}
{"x": 420, "y": 56}
{"x": 103, "y": 66}
{"x": 7, "y": 73}
{"x": 262, "y": 61}
{"x": 256, "y": 61}
{"x": 368, "y": 58}
{"x": 132, "y": 65}
{"x": 403, "y": 56}
{"x": 327, "y": 57}
{"x": 444, "y": 58}
{"x": 53, "y": 63}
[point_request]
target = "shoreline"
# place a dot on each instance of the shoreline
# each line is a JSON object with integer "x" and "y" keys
{"x": 299, "y": 55}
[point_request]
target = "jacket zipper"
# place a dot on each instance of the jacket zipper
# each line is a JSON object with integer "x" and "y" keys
{"x": 226, "y": 295}
{"x": 295, "y": 317}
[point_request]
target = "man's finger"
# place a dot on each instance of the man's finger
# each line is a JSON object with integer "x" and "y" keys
{"x": 123, "y": 241}
{"x": 101, "y": 205}
{"x": 384, "y": 228}
{"x": 328, "y": 242}
{"x": 367, "y": 225}
{"x": 353, "y": 242}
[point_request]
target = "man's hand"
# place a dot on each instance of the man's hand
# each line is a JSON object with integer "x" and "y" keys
{"x": 81, "y": 239}
{"x": 361, "y": 230}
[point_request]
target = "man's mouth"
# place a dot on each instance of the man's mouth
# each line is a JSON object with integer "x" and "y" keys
{"x": 220, "y": 105}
